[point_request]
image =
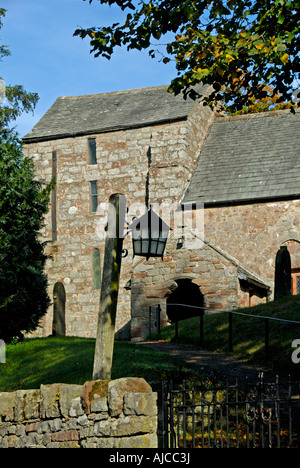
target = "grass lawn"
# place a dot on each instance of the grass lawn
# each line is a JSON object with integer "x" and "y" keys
{"x": 248, "y": 333}
{"x": 70, "y": 360}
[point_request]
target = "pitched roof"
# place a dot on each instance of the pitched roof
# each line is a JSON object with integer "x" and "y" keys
{"x": 80, "y": 115}
{"x": 247, "y": 158}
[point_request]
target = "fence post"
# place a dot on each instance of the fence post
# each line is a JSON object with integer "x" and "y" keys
{"x": 201, "y": 327}
{"x": 150, "y": 318}
{"x": 266, "y": 339}
{"x": 158, "y": 309}
{"x": 162, "y": 429}
{"x": 176, "y": 330}
{"x": 230, "y": 331}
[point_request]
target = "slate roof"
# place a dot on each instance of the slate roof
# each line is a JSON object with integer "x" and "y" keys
{"x": 81, "y": 115}
{"x": 247, "y": 158}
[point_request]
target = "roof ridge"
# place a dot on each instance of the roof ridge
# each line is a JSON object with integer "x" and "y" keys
{"x": 124, "y": 91}
{"x": 271, "y": 113}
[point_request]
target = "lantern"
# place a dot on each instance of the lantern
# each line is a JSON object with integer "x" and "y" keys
{"x": 149, "y": 235}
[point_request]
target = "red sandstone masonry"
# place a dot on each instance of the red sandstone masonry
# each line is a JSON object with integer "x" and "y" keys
{"x": 32, "y": 427}
{"x": 166, "y": 153}
{"x": 120, "y": 413}
{"x": 65, "y": 436}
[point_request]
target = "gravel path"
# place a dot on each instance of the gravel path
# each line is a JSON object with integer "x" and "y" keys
{"x": 223, "y": 366}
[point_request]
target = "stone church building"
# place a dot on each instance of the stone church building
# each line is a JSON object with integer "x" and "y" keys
{"x": 237, "y": 177}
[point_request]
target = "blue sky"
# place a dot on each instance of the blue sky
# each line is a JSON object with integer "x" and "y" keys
{"x": 48, "y": 60}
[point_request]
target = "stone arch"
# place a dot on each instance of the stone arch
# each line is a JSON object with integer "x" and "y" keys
{"x": 59, "y": 310}
{"x": 293, "y": 246}
{"x": 185, "y": 301}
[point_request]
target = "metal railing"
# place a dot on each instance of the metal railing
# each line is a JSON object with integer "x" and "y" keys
{"x": 210, "y": 414}
{"x": 230, "y": 313}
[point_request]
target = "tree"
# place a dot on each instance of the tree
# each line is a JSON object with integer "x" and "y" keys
{"x": 17, "y": 100}
{"x": 269, "y": 102}
{"x": 23, "y": 204}
{"x": 226, "y": 44}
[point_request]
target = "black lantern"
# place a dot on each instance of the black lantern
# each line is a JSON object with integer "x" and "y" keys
{"x": 149, "y": 235}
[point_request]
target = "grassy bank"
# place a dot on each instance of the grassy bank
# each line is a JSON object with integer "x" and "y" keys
{"x": 70, "y": 360}
{"x": 248, "y": 333}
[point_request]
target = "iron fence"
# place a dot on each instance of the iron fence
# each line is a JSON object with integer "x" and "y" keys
{"x": 210, "y": 414}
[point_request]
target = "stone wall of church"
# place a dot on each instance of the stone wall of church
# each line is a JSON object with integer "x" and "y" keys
{"x": 251, "y": 234}
{"x": 153, "y": 281}
{"x": 149, "y": 165}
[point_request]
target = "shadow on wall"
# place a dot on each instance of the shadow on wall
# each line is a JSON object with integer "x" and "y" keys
{"x": 123, "y": 334}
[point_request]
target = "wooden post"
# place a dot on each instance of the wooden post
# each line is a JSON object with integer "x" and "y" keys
{"x": 230, "y": 332}
{"x": 110, "y": 287}
{"x": 158, "y": 309}
{"x": 201, "y": 328}
{"x": 266, "y": 339}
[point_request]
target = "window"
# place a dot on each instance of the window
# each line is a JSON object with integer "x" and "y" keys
{"x": 296, "y": 283}
{"x": 92, "y": 158}
{"x": 96, "y": 269}
{"x": 94, "y": 196}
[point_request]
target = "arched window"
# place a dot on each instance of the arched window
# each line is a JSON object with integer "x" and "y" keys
{"x": 282, "y": 273}
{"x": 96, "y": 269}
{"x": 59, "y": 310}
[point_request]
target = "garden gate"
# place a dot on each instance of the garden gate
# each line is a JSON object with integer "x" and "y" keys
{"x": 210, "y": 414}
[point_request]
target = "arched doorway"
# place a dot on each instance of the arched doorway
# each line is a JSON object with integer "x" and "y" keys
{"x": 59, "y": 310}
{"x": 293, "y": 246}
{"x": 183, "y": 302}
{"x": 283, "y": 276}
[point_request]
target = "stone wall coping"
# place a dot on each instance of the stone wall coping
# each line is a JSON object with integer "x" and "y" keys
{"x": 99, "y": 413}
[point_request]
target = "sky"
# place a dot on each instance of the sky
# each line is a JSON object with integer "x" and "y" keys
{"x": 47, "y": 59}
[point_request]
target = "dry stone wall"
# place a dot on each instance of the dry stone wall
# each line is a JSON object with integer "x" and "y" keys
{"x": 120, "y": 413}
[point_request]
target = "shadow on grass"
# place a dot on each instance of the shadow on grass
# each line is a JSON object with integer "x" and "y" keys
{"x": 70, "y": 360}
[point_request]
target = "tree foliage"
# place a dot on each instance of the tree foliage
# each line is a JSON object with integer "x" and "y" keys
{"x": 23, "y": 204}
{"x": 17, "y": 100}
{"x": 270, "y": 102}
{"x": 236, "y": 46}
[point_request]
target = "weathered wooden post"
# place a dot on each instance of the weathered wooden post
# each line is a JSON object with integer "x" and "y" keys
{"x": 149, "y": 236}
{"x": 104, "y": 347}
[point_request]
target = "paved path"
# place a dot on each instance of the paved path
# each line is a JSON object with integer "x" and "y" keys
{"x": 223, "y": 366}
